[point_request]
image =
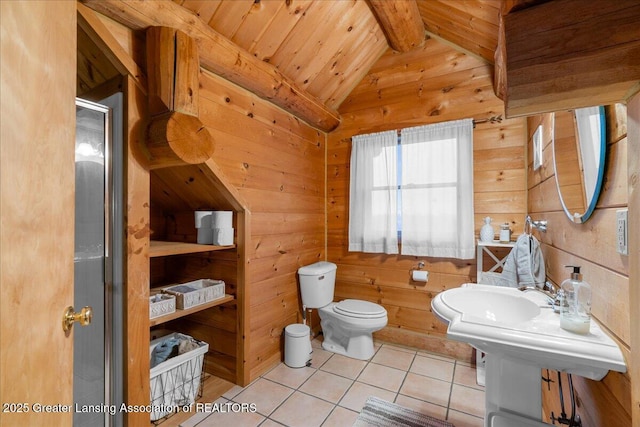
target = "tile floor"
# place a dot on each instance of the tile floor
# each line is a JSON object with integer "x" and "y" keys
{"x": 332, "y": 391}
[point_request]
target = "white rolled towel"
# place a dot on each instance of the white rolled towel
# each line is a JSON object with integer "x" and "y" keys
{"x": 223, "y": 236}
{"x": 205, "y": 236}
{"x": 203, "y": 219}
{"x": 222, "y": 219}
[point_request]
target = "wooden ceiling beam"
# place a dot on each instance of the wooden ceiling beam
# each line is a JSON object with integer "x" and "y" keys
{"x": 175, "y": 135}
{"x": 568, "y": 54}
{"x": 222, "y": 57}
{"x": 401, "y": 23}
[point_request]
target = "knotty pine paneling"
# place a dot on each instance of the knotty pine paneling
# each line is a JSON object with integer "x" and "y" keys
{"x": 429, "y": 85}
{"x": 633, "y": 171}
{"x": 93, "y": 67}
{"x": 388, "y": 72}
{"x": 472, "y": 25}
{"x": 592, "y": 246}
{"x": 324, "y": 47}
{"x": 276, "y": 163}
{"x": 267, "y": 345}
{"x": 176, "y": 189}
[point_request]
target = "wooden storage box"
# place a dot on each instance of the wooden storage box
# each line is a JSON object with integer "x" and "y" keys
{"x": 198, "y": 292}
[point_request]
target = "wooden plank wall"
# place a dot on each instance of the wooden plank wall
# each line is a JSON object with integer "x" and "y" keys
{"x": 429, "y": 85}
{"x": 592, "y": 246}
{"x": 277, "y": 164}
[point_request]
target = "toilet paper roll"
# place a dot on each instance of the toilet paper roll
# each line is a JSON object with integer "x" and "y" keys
{"x": 420, "y": 276}
{"x": 222, "y": 219}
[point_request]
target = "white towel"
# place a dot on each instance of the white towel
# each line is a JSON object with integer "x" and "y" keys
{"x": 524, "y": 266}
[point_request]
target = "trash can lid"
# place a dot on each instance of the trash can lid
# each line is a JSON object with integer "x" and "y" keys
{"x": 297, "y": 330}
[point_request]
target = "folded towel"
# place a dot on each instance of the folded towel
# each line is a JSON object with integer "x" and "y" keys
{"x": 524, "y": 265}
{"x": 183, "y": 289}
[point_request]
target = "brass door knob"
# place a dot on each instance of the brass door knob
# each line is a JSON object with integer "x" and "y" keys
{"x": 70, "y": 317}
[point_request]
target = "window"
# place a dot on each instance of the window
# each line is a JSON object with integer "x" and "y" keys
{"x": 425, "y": 187}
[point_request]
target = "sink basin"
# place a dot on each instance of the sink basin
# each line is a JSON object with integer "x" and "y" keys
{"x": 521, "y": 335}
{"x": 491, "y": 307}
{"x": 518, "y": 324}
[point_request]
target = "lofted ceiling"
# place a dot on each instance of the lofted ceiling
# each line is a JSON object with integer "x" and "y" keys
{"x": 322, "y": 49}
{"x": 307, "y": 56}
{"x": 327, "y": 47}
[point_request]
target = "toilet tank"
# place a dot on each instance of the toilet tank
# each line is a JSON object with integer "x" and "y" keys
{"x": 317, "y": 282}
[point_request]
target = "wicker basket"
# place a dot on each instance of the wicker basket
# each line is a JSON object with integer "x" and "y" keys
{"x": 161, "y": 304}
{"x": 198, "y": 292}
{"x": 176, "y": 381}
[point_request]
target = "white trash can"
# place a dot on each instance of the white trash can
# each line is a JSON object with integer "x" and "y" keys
{"x": 297, "y": 345}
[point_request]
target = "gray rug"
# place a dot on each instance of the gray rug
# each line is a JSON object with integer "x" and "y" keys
{"x": 380, "y": 413}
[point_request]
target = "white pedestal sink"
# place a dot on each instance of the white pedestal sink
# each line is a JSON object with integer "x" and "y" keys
{"x": 521, "y": 335}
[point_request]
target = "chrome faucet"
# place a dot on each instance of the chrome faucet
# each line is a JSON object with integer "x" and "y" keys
{"x": 547, "y": 289}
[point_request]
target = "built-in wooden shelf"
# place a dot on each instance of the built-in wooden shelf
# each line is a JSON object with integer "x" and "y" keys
{"x": 159, "y": 248}
{"x": 180, "y": 313}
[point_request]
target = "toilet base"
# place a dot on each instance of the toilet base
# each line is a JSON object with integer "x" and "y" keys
{"x": 360, "y": 347}
{"x": 351, "y": 337}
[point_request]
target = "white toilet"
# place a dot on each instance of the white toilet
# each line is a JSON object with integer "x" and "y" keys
{"x": 347, "y": 326}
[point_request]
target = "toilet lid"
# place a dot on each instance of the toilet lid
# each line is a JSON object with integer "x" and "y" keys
{"x": 360, "y": 309}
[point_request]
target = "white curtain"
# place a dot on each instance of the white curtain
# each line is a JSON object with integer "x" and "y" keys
{"x": 437, "y": 190}
{"x": 373, "y": 198}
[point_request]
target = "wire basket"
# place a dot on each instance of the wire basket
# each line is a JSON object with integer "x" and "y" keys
{"x": 178, "y": 381}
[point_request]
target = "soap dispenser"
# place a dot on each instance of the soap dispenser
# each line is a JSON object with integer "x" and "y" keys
{"x": 575, "y": 310}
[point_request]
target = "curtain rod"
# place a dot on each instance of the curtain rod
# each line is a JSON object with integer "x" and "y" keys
{"x": 492, "y": 119}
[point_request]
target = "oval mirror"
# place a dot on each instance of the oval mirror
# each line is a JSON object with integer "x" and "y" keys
{"x": 579, "y": 144}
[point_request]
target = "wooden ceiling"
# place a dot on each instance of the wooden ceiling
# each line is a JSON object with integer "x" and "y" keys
{"x": 470, "y": 25}
{"x": 327, "y": 47}
{"x": 322, "y": 48}
{"x": 307, "y": 56}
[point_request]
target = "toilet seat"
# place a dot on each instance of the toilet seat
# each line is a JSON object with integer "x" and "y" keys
{"x": 359, "y": 309}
